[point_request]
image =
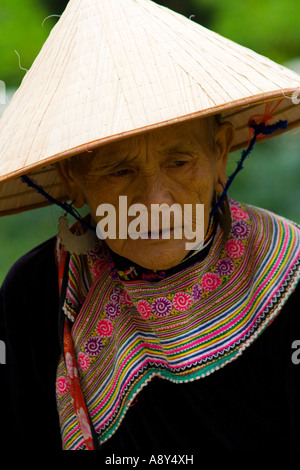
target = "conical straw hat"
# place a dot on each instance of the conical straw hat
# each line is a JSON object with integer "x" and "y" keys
{"x": 112, "y": 68}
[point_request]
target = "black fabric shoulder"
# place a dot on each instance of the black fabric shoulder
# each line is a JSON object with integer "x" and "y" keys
{"x": 33, "y": 260}
{"x": 29, "y": 327}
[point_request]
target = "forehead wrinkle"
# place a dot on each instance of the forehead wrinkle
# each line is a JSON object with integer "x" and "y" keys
{"x": 182, "y": 146}
{"x": 142, "y": 145}
{"x": 178, "y": 149}
{"x": 162, "y": 141}
{"x": 113, "y": 156}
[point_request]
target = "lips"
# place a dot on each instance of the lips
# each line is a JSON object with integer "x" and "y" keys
{"x": 162, "y": 234}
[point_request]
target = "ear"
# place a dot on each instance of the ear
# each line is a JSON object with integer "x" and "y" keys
{"x": 70, "y": 183}
{"x": 224, "y": 137}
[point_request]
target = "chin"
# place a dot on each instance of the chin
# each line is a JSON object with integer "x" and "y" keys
{"x": 158, "y": 255}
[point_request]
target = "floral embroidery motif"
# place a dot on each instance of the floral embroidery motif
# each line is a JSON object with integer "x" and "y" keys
{"x": 240, "y": 229}
{"x": 211, "y": 281}
{"x": 234, "y": 248}
{"x": 239, "y": 214}
{"x": 96, "y": 251}
{"x": 112, "y": 310}
{"x": 161, "y": 307}
{"x": 125, "y": 299}
{"x": 197, "y": 292}
{"x": 93, "y": 346}
{"x": 144, "y": 308}
{"x": 83, "y": 361}
{"x": 115, "y": 295}
{"x": 182, "y": 301}
{"x": 62, "y": 385}
{"x": 225, "y": 267}
{"x": 98, "y": 267}
{"x": 105, "y": 328}
{"x": 234, "y": 203}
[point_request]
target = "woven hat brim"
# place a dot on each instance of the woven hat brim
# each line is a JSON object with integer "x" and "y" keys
{"x": 157, "y": 68}
{"x": 15, "y": 196}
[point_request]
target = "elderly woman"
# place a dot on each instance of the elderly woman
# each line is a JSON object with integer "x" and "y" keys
{"x": 141, "y": 343}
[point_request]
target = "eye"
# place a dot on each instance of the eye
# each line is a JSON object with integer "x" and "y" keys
{"x": 121, "y": 173}
{"x": 178, "y": 163}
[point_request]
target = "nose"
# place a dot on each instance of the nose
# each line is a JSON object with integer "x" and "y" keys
{"x": 152, "y": 188}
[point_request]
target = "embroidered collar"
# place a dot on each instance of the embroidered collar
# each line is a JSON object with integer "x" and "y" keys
{"x": 181, "y": 328}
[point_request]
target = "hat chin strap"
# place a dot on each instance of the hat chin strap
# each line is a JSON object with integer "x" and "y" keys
{"x": 64, "y": 205}
{"x": 258, "y": 129}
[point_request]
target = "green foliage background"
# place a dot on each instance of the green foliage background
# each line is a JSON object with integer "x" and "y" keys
{"x": 271, "y": 177}
{"x": 21, "y": 30}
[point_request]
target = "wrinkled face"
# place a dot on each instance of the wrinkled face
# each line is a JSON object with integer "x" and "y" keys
{"x": 172, "y": 165}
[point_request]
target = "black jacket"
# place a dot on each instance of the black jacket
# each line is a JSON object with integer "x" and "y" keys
{"x": 251, "y": 403}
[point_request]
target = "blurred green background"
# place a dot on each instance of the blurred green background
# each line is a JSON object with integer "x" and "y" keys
{"x": 271, "y": 177}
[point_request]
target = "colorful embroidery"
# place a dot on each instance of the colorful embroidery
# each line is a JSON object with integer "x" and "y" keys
{"x": 225, "y": 267}
{"x": 83, "y": 361}
{"x": 196, "y": 292}
{"x": 181, "y": 328}
{"x": 144, "y": 308}
{"x": 234, "y": 248}
{"x": 105, "y": 328}
{"x": 238, "y": 213}
{"x": 93, "y": 346}
{"x": 240, "y": 229}
{"x": 62, "y": 385}
{"x": 161, "y": 307}
{"x": 211, "y": 281}
{"x": 112, "y": 309}
{"x": 125, "y": 299}
{"x": 182, "y": 301}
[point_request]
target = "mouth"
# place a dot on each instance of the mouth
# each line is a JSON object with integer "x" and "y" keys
{"x": 162, "y": 234}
